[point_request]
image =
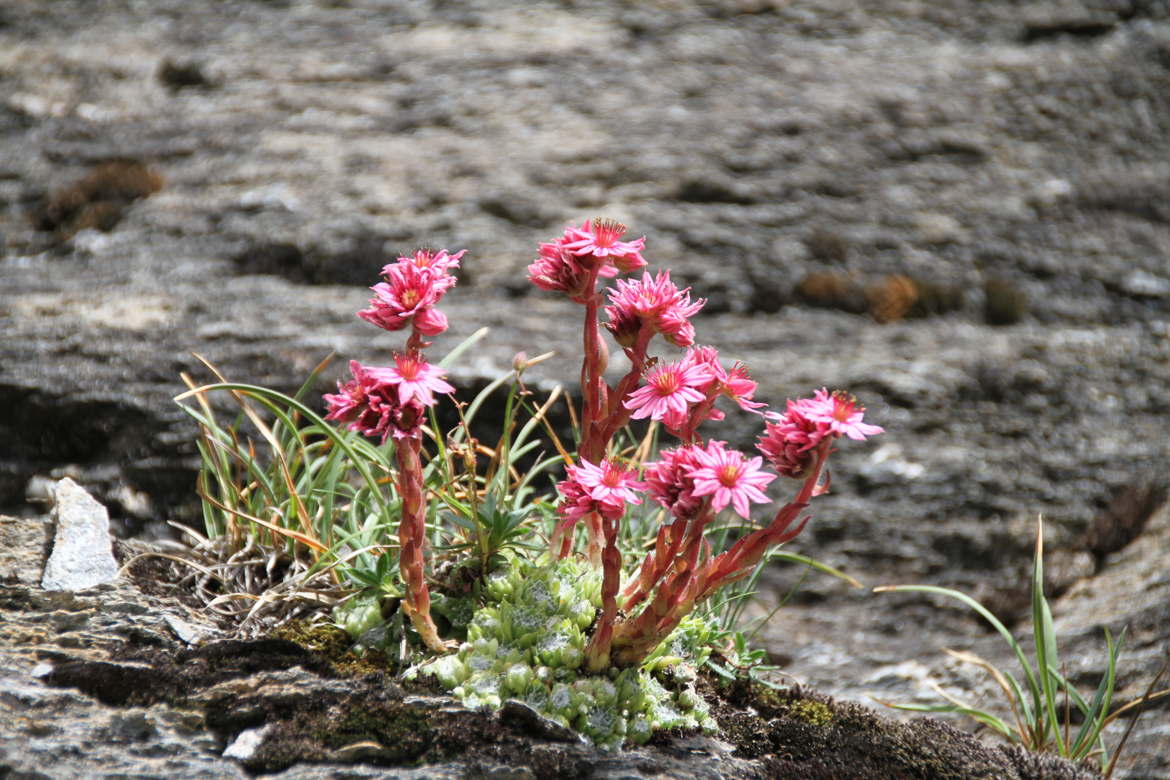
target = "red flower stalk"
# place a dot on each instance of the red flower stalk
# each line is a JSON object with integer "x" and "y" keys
{"x": 391, "y": 402}
{"x": 573, "y": 264}
{"x": 416, "y": 600}
{"x": 597, "y": 651}
{"x": 705, "y": 480}
{"x": 693, "y": 580}
{"x": 599, "y": 493}
{"x": 679, "y": 481}
{"x": 677, "y": 574}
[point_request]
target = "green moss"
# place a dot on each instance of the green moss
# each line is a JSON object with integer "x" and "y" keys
{"x": 324, "y": 638}
{"x": 813, "y": 712}
{"x": 334, "y": 645}
{"x": 403, "y": 732}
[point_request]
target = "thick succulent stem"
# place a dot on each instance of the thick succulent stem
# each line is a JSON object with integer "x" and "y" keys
{"x": 677, "y": 576}
{"x": 412, "y": 540}
{"x": 597, "y": 652}
{"x": 593, "y": 366}
{"x": 666, "y": 546}
{"x": 690, "y": 581}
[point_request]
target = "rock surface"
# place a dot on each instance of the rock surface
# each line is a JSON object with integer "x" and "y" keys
{"x": 82, "y": 556}
{"x": 103, "y": 669}
{"x": 181, "y": 177}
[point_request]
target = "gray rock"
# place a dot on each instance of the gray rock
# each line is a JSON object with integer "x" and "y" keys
{"x": 139, "y": 718}
{"x": 730, "y": 132}
{"x": 83, "y": 555}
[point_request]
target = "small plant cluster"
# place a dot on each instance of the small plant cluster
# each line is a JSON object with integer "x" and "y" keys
{"x": 694, "y": 481}
{"x": 528, "y": 643}
{"x": 572, "y": 602}
{"x": 1042, "y": 706}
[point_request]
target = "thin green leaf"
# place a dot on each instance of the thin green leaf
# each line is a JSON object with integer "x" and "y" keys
{"x": 824, "y": 568}
{"x": 1044, "y": 638}
{"x": 451, "y": 357}
{"x": 1025, "y": 665}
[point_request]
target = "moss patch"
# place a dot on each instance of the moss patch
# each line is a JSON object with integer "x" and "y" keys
{"x": 334, "y": 645}
{"x": 805, "y": 734}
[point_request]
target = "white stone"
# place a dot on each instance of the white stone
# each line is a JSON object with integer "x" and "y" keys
{"x": 245, "y": 745}
{"x": 83, "y": 555}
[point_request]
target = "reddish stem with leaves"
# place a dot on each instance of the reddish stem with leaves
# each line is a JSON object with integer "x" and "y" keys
{"x": 676, "y": 597}
{"x": 416, "y": 600}
{"x": 694, "y": 482}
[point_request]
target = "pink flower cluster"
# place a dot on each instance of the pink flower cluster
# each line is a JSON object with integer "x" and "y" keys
{"x": 387, "y": 402}
{"x": 606, "y": 489}
{"x": 391, "y": 402}
{"x": 789, "y": 441}
{"x": 683, "y": 476}
{"x": 572, "y": 263}
{"x": 694, "y": 481}
{"x": 682, "y": 394}
{"x": 412, "y": 287}
{"x": 654, "y": 303}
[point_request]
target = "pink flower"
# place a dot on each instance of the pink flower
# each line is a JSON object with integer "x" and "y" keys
{"x": 728, "y": 478}
{"x": 371, "y": 406}
{"x": 575, "y": 501}
{"x": 669, "y": 483}
{"x": 352, "y": 399}
{"x": 658, "y": 303}
{"x": 840, "y": 412}
{"x": 438, "y": 262}
{"x": 739, "y": 387}
{"x": 430, "y": 322}
{"x": 409, "y": 293}
{"x": 605, "y": 489}
{"x": 675, "y": 326}
{"x": 558, "y": 270}
{"x": 608, "y": 483}
{"x": 414, "y": 378}
{"x": 735, "y": 383}
{"x": 669, "y": 390}
{"x": 788, "y": 443}
{"x": 599, "y": 239}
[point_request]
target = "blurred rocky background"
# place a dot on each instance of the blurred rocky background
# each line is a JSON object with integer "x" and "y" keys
{"x": 958, "y": 210}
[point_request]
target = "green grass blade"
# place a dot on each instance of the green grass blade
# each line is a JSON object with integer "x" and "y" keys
{"x": 986, "y": 718}
{"x": 1089, "y": 733}
{"x": 824, "y": 568}
{"x": 1044, "y": 638}
{"x": 1025, "y": 665}
{"x": 269, "y": 398}
{"x": 451, "y": 357}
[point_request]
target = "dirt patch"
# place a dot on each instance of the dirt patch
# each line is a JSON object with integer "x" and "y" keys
{"x": 806, "y": 734}
{"x": 98, "y": 199}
